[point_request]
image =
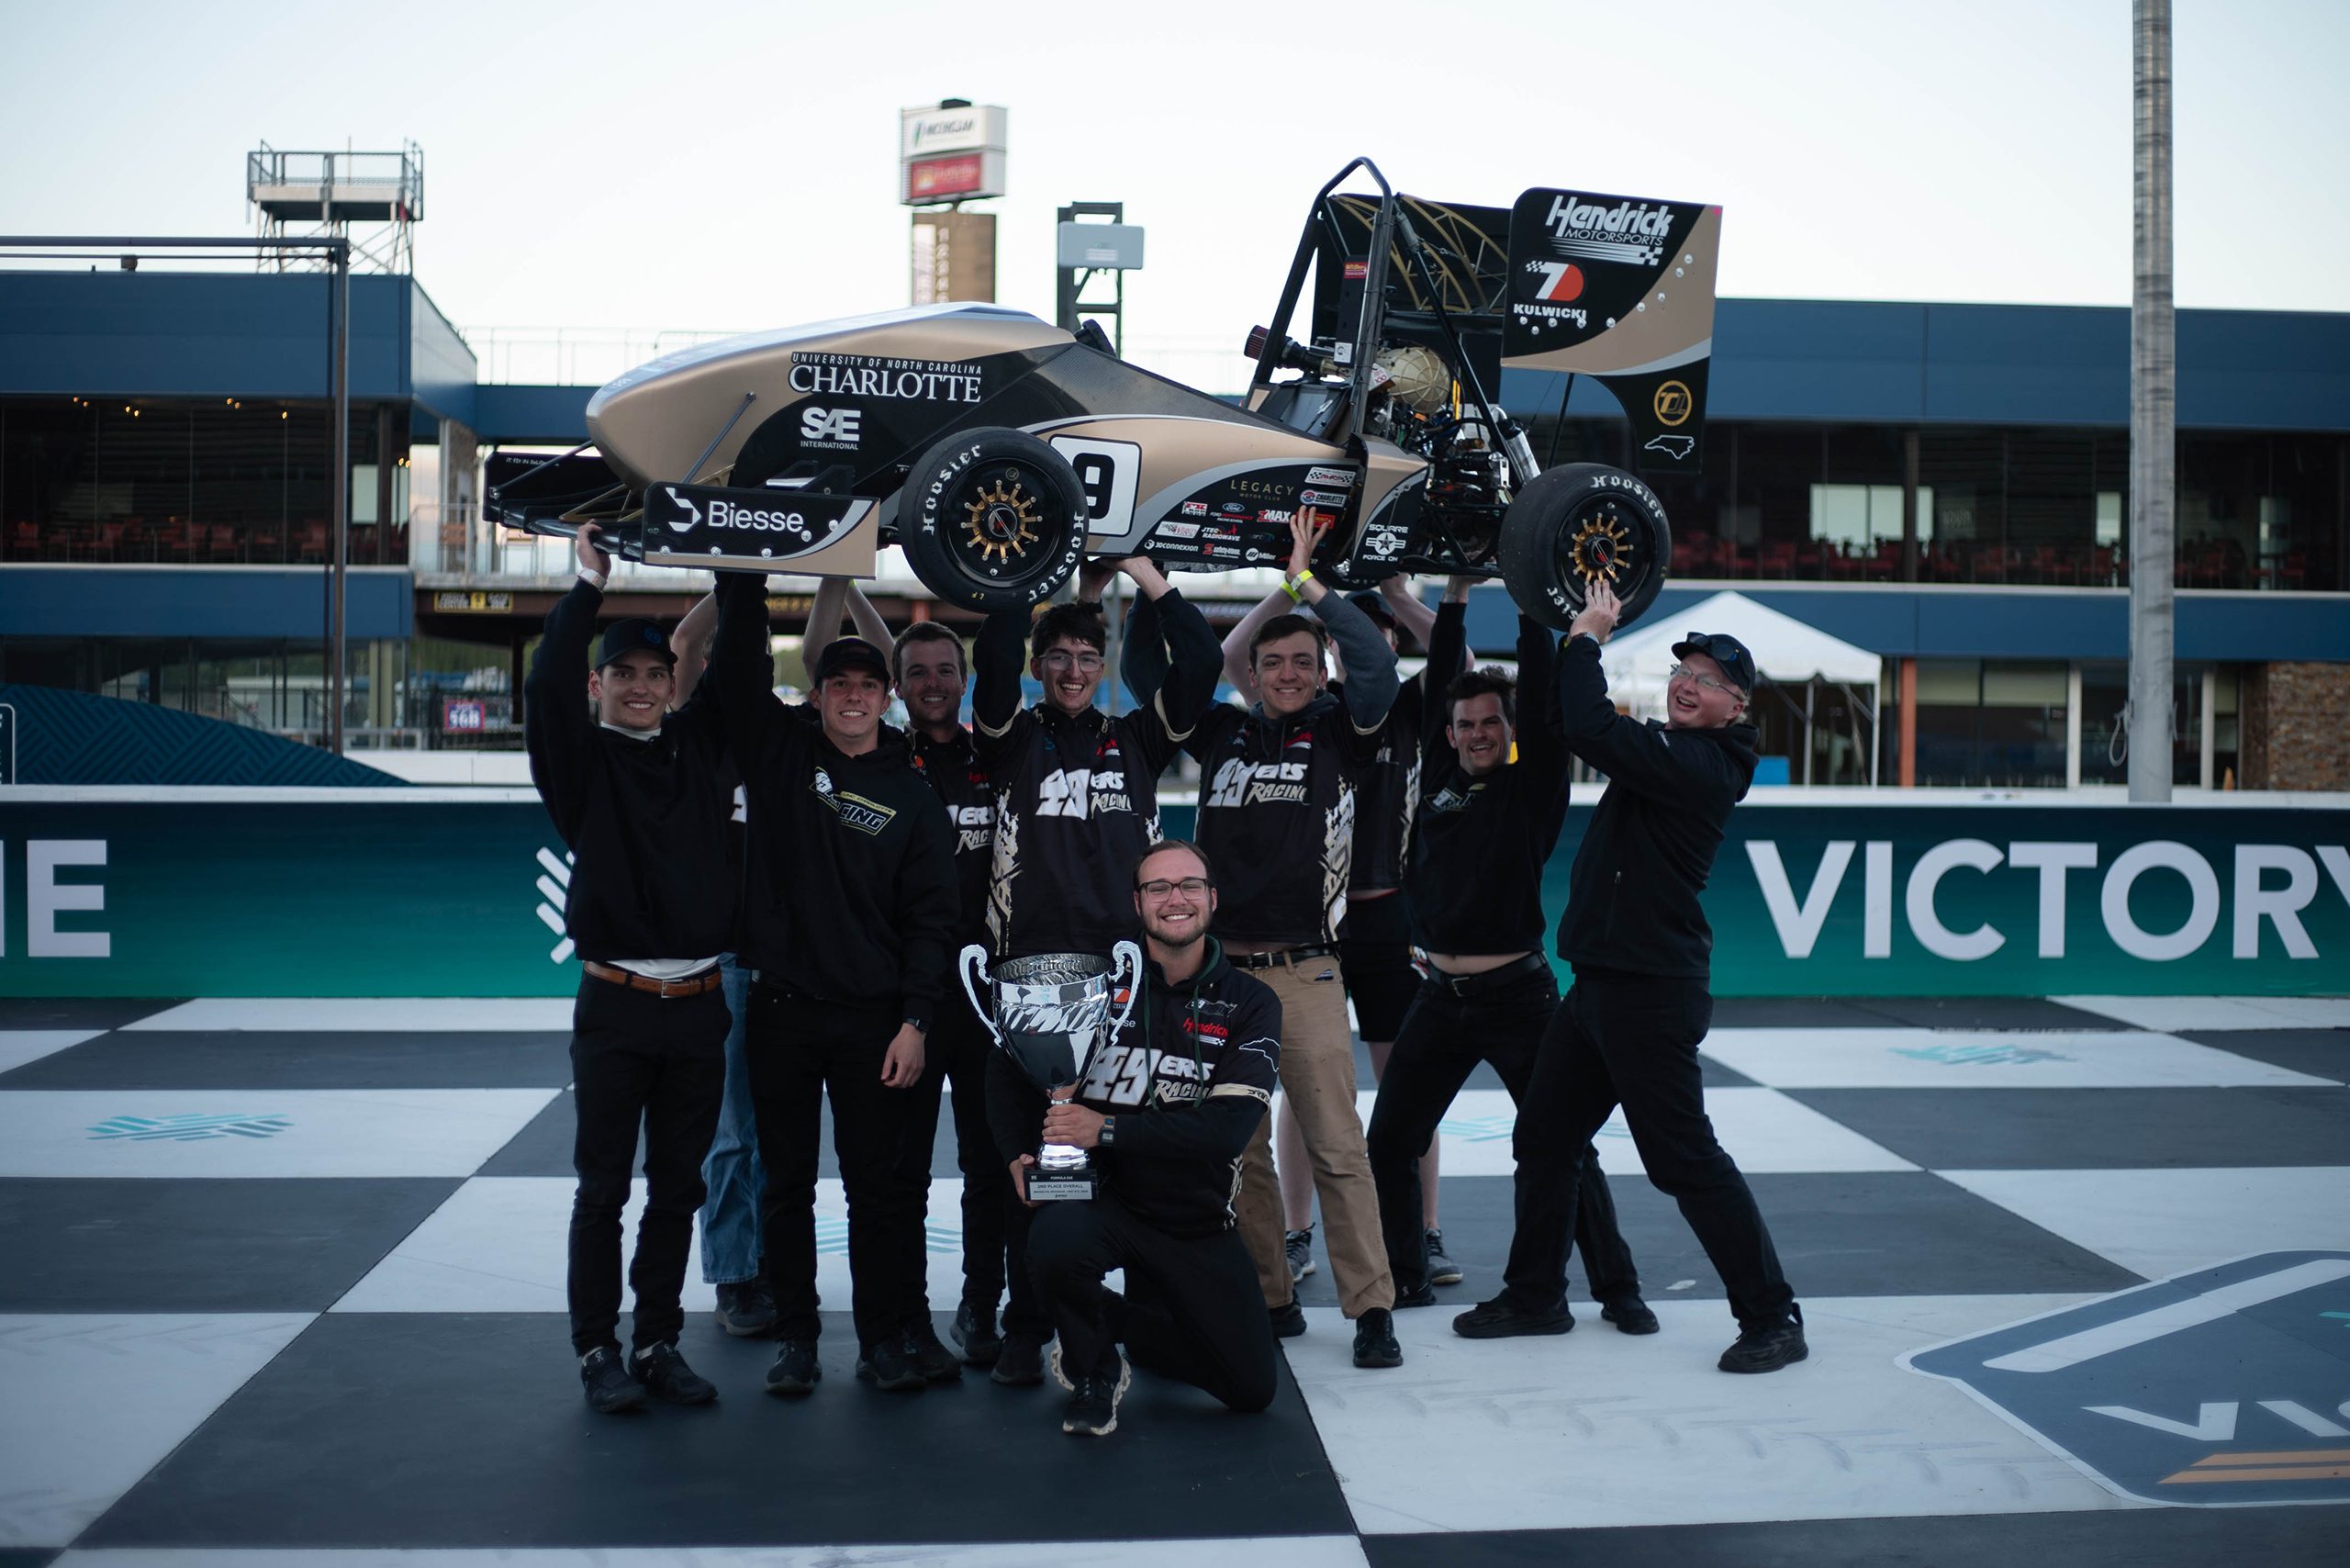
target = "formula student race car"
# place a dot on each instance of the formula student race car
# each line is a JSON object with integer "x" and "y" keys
{"x": 998, "y": 451}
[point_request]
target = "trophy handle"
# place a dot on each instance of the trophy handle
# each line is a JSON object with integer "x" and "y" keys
{"x": 972, "y": 960}
{"x": 1122, "y": 957}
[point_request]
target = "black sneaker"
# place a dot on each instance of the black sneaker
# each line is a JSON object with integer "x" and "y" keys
{"x": 1299, "y": 1247}
{"x": 1630, "y": 1315}
{"x": 1502, "y": 1318}
{"x": 606, "y": 1380}
{"x": 1289, "y": 1320}
{"x": 1767, "y": 1347}
{"x": 796, "y": 1370}
{"x": 1375, "y": 1343}
{"x": 888, "y": 1364}
{"x": 974, "y": 1330}
{"x": 1021, "y": 1362}
{"x": 664, "y": 1373}
{"x": 746, "y": 1309}
{"x": 1093, "y": 1403}
{"x": 936, "y": 1361}
{"x": 1424, "y": 1296}
{"x": 1442, "y": 1270}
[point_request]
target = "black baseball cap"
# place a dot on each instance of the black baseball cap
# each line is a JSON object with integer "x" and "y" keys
{"x": 850, "y": 653}
{"x": 1724, "y": 650}
{"x": 633, "y": 635}
{"x": 1374, "y": 605}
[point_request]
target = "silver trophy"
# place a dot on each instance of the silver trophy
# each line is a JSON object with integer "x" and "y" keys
{"x": 1051, "y": 1013}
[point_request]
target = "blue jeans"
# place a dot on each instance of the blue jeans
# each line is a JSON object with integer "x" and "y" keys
{"x": 730, "y": 1217}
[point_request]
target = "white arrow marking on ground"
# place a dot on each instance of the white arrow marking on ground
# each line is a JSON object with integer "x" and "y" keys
{"x": 2152, "y": 1324}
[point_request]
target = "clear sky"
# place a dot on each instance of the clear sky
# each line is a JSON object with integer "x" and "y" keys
{"x": 720, "y": 166}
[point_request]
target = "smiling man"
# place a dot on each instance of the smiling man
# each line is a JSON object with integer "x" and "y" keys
{"x": 848, "y": 906}
{"x": 642, "y": 796}
{"x": 1629, "y": 1029}
{"x": 1484, "y": 830}
{"x": 1277, "y": 809}
{"x": 1168, "y": 1105}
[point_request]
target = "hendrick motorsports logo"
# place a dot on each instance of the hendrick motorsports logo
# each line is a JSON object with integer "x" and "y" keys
{"x": 1626, "y": 231}
{"x": 2222, "y": 1386}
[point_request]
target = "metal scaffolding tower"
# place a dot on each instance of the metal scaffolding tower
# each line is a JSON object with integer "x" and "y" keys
{"x": 373, "y": 201}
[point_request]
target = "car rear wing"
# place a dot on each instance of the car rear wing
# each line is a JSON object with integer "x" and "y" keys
{"x": 1618, "y": 288}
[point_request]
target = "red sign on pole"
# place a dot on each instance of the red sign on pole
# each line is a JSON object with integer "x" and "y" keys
{"x": 943, "y": 179}
{"x": 464, "y": 715}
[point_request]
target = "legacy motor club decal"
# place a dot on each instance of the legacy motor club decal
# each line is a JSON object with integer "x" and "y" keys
{"x": 1619, "y": 288}
{"x": 863, "y": 375}
{"x": 707, "y": 520}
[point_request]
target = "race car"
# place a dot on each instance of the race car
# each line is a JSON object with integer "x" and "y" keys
{"x": 998, "y": 451}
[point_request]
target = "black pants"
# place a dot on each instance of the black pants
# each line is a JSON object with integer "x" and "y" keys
{"x": 802, "y": 1050}
{"x": 957, "y": 1048}
{"x": 1633, "y": 1039}
{"x": 637, "y": 1060}
{"x": 1192, "y": 1310}
{"x": 1443, "y": 1038}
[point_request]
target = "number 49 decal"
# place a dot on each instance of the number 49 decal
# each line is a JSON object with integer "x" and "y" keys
{"x": 1108, "y": 471}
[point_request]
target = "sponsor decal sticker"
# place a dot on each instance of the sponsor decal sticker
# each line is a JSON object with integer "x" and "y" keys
{"x": 1195, "y": 509}
{"x": 1178, "y": 530}
{"x": 1342, "y": 477}
{"x": 1673, "y": 403}
{"x": 863, "y": 375}
{"x": 834, "y": 429}
{"x": 1321, "y": 498}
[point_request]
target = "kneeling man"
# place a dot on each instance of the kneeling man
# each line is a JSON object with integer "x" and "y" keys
{"x": 1169, "y": 1107}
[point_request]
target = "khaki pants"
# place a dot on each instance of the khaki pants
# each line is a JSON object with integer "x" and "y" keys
{"x": 1319, "y": 1077}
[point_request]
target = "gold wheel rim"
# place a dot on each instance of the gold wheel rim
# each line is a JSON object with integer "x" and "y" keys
{"x": 1001, "y": 519}
{"x": 1602, "y": 547}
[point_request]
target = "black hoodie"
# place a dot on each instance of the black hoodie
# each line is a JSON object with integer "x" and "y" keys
{"x": 1632, "y": 900}
{"x": 849, "y": 891}
{"x": 646, "y": 820}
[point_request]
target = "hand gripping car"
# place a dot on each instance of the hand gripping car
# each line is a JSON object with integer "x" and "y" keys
{"x": 997, "y": 451}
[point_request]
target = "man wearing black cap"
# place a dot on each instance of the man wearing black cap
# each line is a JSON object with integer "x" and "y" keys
{"x": 642, "y": 796}
{"x": 848, "y": 905}
{"x": 1630, "y": 1028}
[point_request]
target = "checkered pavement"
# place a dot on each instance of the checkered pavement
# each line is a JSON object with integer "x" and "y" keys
{"x": 284, "y": 1283}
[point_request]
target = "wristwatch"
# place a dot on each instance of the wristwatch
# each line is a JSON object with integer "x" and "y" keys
{"x": 1109, "y": 1132}
{"x": 918, "y": 1024}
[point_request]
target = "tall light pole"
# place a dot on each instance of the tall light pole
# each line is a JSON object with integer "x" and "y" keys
{"x": 2154, "y": 398}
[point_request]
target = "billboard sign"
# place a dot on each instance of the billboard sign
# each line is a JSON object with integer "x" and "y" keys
{"x": 951, "y": 151}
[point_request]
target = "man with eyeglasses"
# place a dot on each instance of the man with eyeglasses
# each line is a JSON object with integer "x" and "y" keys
{"x": 1630, "y": 1027}
{"x": 1076, "y": 794}
{"x": 1277, "y": 809}
{"x": 1486, "y": 828}
{"x": 1076, "y": 790}
{"x": 1167, "y": 1107}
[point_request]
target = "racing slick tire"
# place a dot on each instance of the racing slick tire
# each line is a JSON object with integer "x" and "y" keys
{"x": 1575, "y": 524}
{"x": 992, "y": 519}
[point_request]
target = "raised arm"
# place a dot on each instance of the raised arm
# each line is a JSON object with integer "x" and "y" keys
{"x": 1632, "y": 754}
{"x": 1194, "y": 658}
{"x": 1448, "y": 647}
{"x": 1370, "y": 663}
{"x": 1412, "y": 615}
{"x": 557, "y": 727}
{"x": 867, "y": 619}
{"x": 740, "y": 683}
{"x": 1237, "y": 640}
{"x": 824, "y": 619}
{"x": 690, "y": 643}
{"x": 997, "y": 655}
{"x": 1541, "y": 745}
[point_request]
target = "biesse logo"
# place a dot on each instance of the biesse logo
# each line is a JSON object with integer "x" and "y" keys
{"x": 868, "y": 817}
{"x": 2222, "y": 1386}
{"x": 2272, "y": 884}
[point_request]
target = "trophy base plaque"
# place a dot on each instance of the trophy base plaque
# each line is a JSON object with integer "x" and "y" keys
{"x": 1059, "y": 1187}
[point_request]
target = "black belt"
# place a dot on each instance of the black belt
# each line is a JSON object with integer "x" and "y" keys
{"x": 1491, "y": 980}
{"x": 1293, "y": 956}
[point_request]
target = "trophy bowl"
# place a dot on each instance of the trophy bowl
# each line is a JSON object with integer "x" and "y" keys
{"x": 1050, "y": 1013}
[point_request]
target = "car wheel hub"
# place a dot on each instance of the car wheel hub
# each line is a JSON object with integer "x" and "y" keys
{"x": 1600, "y": 548}
{"x": 1002, "y": 520}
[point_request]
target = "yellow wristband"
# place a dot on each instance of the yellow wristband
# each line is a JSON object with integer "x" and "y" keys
{"x": 1295, "y": 586}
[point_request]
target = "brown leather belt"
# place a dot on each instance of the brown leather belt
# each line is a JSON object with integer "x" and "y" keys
{"x": 709, "y": 979}
{"x": 1293, "y": 956}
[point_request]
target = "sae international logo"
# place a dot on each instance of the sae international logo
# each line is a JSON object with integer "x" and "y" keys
{"x": 2223, "y": 1386}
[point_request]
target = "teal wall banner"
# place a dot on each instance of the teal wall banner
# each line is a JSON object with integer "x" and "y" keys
{"x": 122, "y": 892}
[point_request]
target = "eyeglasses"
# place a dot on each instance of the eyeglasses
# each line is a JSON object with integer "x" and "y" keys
{"x": 1710, "y": 683}
{"x": 1190, "y": 887}
{"x": 1089, "y": 663}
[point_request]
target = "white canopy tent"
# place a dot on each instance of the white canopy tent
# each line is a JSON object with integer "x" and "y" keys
{"x": 1790, "y": 654}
